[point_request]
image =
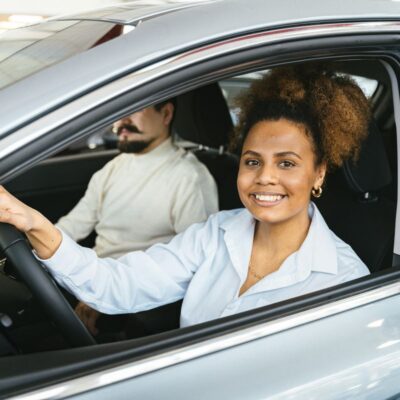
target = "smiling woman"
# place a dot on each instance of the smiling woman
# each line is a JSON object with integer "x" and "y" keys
{"x": 295, "y": 123}
{"x": 276, "y": 248}
{"x": 276, "y": 176}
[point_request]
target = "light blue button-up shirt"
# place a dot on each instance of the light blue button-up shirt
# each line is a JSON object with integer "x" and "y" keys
{"x": 206, "y": 265}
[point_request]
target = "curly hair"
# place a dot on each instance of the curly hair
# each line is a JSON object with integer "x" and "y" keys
{"x": 332, "y": 108}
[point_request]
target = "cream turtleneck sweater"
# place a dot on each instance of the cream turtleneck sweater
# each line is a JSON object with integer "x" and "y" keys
{"x": 137, "y": 200}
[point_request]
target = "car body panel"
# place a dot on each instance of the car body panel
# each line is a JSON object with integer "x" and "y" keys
{"x": 303, "y": 356}
{"x": 313, "y": 361}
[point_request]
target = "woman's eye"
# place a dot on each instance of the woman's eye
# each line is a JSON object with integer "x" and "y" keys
{"x": 286, "y": 164}
{"x": 252, "y": 163}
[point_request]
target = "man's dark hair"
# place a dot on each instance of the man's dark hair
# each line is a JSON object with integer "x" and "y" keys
{"x": 160, "y": 105}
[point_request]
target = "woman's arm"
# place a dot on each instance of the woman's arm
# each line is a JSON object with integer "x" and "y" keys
{"x": 135, "y": 282}
{"x": 44, "y": 237}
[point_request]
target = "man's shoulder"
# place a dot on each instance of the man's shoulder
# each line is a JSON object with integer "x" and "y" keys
{"x": 108, "y": 170}
{"x": 115, "y": 162}
{"x": 186, "y": 163}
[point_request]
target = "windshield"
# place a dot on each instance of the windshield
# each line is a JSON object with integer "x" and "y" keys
{"x": 27, "y": 50}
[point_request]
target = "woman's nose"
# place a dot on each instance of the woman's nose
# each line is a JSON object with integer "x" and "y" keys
{"x": 267, "y": 175}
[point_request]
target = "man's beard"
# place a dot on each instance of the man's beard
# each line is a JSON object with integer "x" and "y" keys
{"x": 131, "y": 146}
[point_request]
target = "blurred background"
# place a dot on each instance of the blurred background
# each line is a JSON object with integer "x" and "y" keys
{"x": 15, "y": 13}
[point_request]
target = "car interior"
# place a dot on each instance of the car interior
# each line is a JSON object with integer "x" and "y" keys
{"x": 359, "y": 201}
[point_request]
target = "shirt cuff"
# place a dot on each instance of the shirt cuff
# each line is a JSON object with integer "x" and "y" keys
{"x": 66, "y": 257}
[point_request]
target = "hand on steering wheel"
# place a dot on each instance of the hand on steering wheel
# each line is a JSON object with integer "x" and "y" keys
{"x": 43, "y": 236}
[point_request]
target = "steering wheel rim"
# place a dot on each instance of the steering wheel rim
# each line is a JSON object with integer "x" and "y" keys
{"x": 15, "y": 247}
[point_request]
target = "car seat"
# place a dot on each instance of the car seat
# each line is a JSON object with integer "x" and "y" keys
{"x": 203, "y": 118}
{"x": 354, "y": 207}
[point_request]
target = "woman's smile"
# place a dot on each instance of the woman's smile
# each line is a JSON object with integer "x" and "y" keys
{"x": 267, "y": 199}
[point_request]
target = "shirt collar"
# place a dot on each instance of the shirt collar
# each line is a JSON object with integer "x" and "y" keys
{"x": 317, "y": 252}
{"x": 239, "y": 233}
{"x": 163, "y": 149}
{"x": 321, "y": 241}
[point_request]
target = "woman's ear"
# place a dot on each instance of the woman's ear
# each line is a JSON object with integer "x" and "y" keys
{"x": 320, "y": 176}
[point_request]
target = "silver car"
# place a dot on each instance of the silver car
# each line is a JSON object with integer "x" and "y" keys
{"x": 64, "y": 81}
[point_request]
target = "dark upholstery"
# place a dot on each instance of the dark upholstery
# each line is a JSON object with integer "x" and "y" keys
{"x": 224, "y": 168}
{"x": 203, "y": 117}
{"x": 354, "y": 208}
{"x": 371, "y": 173}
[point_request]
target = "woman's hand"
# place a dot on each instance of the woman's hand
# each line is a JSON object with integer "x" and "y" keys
{"x": 44, "y": 237}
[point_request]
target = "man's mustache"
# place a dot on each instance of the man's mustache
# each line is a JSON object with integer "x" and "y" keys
{"x": 129, "y": 127}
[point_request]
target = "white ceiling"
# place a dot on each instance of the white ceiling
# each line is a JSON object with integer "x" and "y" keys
{"x": 56, "y": 7}
{"x": 16, "y": 13}
{"x": 49, "y": 7}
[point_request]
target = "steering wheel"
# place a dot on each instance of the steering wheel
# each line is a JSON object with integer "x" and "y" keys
{"x": 15, "y": 248}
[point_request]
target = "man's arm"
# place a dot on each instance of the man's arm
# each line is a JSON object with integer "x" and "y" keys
{"x": 83, "y": 218}
{"x": 196, "y": 198}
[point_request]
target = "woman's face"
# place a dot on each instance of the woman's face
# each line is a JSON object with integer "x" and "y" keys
{"x": 277, "y": 171}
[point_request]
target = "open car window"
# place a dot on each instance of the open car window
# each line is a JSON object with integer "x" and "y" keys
{"x": 56, "y": 185}
{"x": 231, "y": 89}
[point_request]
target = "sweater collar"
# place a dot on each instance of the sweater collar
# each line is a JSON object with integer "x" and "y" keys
{"x": 164, "y": 149}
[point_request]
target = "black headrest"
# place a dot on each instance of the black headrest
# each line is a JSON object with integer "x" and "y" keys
{"x": 371, "y": 172}
{"x": 203, "y": 117}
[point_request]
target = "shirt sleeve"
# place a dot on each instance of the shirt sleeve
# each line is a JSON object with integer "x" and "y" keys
{"x": 82, "y": 219}
{"x": 196, "y": 198}
{"x": 138, "y": 281}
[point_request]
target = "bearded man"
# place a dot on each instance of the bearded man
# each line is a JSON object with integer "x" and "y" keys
{"x": 146, "y": 195}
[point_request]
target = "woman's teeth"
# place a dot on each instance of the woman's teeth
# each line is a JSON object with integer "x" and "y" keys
{"x": 268, "y": 197}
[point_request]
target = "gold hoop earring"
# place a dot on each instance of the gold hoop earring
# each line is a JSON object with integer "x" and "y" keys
{"x": 317, "y": 193}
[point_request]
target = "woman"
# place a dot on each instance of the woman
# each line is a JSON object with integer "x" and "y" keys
{"x": 296, "y": 123}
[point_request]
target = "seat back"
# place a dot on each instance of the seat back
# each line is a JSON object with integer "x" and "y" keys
{"x": 356, "y": 210}
{"x": 203, "y": 118}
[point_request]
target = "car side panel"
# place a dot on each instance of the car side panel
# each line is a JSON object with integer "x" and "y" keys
{"x": 354, "y": 354}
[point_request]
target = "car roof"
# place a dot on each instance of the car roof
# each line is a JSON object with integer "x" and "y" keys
{"x": 254, "y": 12}
{"x": 133, "y": 12}
{"x": 162, "y": 29}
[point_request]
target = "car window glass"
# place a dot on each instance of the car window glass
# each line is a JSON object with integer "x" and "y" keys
{"x": 368, "y": 86}
{"x": 231, "y": 88}
{"x": 235, "y": 86}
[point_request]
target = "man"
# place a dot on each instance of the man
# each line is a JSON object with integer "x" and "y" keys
{"x": 147, "y": 194}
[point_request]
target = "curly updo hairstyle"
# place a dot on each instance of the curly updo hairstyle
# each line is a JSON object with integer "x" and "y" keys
{"x": 332, "y": 108}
